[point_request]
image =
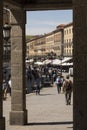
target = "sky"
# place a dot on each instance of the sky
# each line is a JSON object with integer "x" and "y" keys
{"x": 41, "y": 22}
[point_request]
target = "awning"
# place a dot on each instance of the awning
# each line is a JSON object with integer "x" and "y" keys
{"x": 47, "y": 62}
{"x": 66, "y": 59}
{"x": 60, "y": 62}
{"x": 56, "y": 62}
{"x": 39, "y": 63}
{"x": 67, "y": 64}
{"x": 29, "y": 61}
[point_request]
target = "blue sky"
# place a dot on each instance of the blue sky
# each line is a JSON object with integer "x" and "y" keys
{"x": 40, "y": 22}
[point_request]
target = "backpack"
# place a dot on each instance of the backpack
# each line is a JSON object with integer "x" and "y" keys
{"x": 68, "y": 86}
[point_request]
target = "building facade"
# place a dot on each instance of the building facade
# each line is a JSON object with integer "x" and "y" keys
{"x": 42, "y": 45}
{"x": 68, "y": 39}
{"x": 36, "y": 47}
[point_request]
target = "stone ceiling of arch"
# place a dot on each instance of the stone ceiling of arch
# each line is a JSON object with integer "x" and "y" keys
{"x": 41, "y": 4}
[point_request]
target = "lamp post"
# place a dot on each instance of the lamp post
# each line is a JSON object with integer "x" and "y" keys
{"x": 6, "y": 32}
{"x": 6, "y": 37}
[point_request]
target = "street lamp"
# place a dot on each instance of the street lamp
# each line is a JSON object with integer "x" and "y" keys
{"x": 6, "y": 37}
{"x": 6, "y": 32}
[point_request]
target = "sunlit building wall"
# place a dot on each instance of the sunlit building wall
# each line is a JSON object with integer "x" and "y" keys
{"x": 36, "y": 47}
{"x": 59, "y": 41}
{"x": 40, "y": 46}
{"x": 49, "y": 42}
{"x": 68, "y": 40}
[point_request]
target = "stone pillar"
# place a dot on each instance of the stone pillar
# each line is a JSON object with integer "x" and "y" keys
{"x": 18, "y": 114}
{"x": 2, "y": 119}
{"x": 80, "y": 64}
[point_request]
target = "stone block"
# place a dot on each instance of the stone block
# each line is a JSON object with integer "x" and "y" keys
{"x": 17, "y": 100}
{"x": 18, "y": 117}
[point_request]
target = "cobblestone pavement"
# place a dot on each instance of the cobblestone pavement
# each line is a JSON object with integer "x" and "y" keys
{"x": 46, "y": 111}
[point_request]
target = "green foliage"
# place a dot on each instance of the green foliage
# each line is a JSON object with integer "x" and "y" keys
{"x": 29, "y": 37}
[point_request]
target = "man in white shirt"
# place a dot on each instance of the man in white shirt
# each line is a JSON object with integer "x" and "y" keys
{"x": 10, "y": 85}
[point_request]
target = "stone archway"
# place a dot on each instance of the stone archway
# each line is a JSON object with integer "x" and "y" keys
{"x": 19, "y": 112}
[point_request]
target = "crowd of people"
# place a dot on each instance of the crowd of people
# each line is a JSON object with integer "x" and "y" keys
{"x": 34, "y": 81}
{"x": 64, "y": 85}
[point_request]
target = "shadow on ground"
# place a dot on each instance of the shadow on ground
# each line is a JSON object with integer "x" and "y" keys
{"x": 51, "y": 123}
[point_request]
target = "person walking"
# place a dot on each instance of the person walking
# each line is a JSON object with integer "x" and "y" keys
{"x": 58, "y": 83}
{"x": 62, "y": 80}
{"x": 67, "y": 89}
{"x": 10, "y": 85}
{"x": 29, "y": 80}
{"x": 4, "y": 88}
{"x": 37, "y": 81}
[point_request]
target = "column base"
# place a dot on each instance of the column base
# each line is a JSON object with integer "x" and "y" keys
{"x": 18, "y": 117}
{"x": 2, "y": 123}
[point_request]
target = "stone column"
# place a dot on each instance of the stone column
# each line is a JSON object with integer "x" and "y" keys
{"x": 18, "y": 114}
{"x": 80, "y": 64}
{"x": 2, "y": 119}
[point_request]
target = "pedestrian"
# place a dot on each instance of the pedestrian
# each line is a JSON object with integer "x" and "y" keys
{"x": 10, "y": 85}
{"x": 58, "y": 83}
{"x": 62, "y": 80}
{"x": 29, "y": 80}
{"x": 37, "y": 81}
{"x": 29, "y": 73}
{"x": 67, "y": 89}
{"x": 4, "y": 88}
